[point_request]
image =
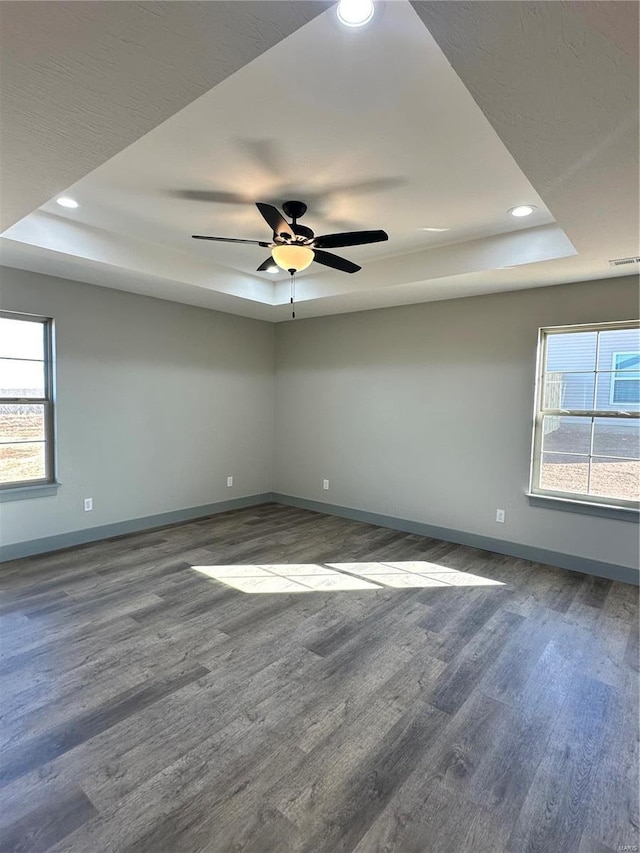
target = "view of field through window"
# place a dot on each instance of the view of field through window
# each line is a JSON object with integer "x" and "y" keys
{"x": 23, "y": 395}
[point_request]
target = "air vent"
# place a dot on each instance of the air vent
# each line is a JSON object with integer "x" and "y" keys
{"x": 620, "y": 262}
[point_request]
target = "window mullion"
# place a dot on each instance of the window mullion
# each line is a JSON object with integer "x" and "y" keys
{"x": 588, "y": 413}
{"x": 23, "y": 401}
{"x": 592, "y": 431}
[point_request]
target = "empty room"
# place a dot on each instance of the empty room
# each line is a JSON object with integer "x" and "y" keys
{"x": 319, "y": 426}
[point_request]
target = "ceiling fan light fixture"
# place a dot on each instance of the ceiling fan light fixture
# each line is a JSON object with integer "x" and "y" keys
{"x": 355, "y": 13}
{"x": 295, "y": 247}
{"x": 292, "y": 257}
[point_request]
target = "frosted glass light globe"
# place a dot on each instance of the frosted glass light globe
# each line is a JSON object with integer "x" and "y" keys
{"x": 292, "y": 257}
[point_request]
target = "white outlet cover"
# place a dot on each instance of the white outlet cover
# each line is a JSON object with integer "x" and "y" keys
{"x": 88, "y": 504}
{"x": 325, "y": 484}
{"x": 229, "y": 481}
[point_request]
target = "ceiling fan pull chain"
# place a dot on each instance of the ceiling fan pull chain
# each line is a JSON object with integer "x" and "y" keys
{"x": 293, "y": 294}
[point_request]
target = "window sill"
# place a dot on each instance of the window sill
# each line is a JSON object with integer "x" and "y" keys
{"x": 25, "y": 493}
{"x": 584, "y": 507}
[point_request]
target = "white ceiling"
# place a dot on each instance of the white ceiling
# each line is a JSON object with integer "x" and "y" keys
{"x": 82, "y": 80}
{"x": 373, "y": 128}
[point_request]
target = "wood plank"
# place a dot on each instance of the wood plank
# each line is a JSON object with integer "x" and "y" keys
{"x": 555, "y": 810}
{"x": 460, "y": 678}
{"x": 18, "y": 759}
{"x": 43, "y": 827}
{"x": 147, "y": 707}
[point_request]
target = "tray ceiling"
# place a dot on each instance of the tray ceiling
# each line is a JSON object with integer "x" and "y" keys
{"x": 386, "y": 134}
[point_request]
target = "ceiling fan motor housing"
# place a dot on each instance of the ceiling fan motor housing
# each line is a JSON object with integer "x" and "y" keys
{"x": 302, "y": 231}
{"x": 294, "y": 209}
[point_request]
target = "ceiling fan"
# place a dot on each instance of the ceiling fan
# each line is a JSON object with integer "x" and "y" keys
{"x": 294, "y": 247}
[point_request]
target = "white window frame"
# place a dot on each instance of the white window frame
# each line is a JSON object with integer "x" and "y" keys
{"x": 615, "y": 378}
{"x": 540, "y": 412}
{"x": 47, "y": 401}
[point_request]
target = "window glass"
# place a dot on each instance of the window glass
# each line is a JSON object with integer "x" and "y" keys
{"x": 618, "y": 341}
{"x": 569, "y": 390}
{"x": 616, "y": 437}
{"x": 564, "y": 473}
{"x": 21, "y": 378}
{"x": 566, "y": 435}
{"x": 569, "y": 353}
{"x": 625, "y": 381}
{"x": 21, "y": 339}
{"x": 23, "y": 461}
{"x": 614, "y": 478}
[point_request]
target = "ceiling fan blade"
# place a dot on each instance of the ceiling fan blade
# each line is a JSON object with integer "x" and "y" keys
{"x": 210, "y": 196}
{"x": 231, "y": 240}
{"x": 335, "y": 261}
{"x": 267, "y": 154}
{"x": 350, "y": 238}
{"x": 267, "y": 265}
{"x": 274, "y": 219}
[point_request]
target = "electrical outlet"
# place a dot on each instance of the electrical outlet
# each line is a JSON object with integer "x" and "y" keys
{"x": 88, "y": 504}
{"x": 229, "y": 482}
{"x": 500, "y": 513}
{"x": 325, "y": 485}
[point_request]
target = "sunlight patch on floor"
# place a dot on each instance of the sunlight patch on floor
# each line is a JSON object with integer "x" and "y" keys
{"x": 440, "y": 575}
{"x": 309, "y": 577}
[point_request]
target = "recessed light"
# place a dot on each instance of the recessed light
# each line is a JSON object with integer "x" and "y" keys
{"x": 65, "y": 201}
{"x": 522, "y": 210}
{"x": 355, "y": 13}
{"x": 435, "y": 230}
{"x": 273, "y": 270}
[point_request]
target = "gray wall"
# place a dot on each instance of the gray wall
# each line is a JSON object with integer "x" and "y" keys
{"x": 156, "y": 404}
{"x": 421, "y": 412}
{"x": 424, "y": 413}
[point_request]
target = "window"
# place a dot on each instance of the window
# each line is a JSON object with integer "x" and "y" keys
{"x": 26, "y": 401}
{"x": 586, "y": 443}
{"x": 625, "y": 381}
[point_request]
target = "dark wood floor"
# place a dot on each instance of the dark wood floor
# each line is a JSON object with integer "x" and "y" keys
{"x": 147, "y": 707}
